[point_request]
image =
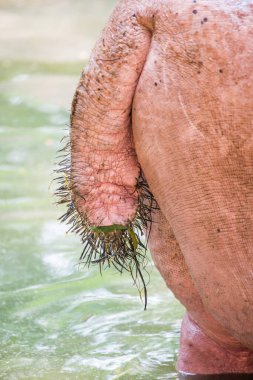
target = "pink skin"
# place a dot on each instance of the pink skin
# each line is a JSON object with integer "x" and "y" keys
{"x": 184, "y": 69}
{"x": 205, "y": 346}
{"x": 104, "y": 161}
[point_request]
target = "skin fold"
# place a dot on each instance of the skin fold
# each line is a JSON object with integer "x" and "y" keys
{"x": 169, "y": 90}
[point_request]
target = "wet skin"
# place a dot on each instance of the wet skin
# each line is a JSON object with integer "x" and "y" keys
{"x": 169, "y": 89}
{"x": 224, "y": 376}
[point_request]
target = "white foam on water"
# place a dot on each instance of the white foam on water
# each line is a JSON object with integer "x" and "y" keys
{"x": 7, "y": 167}
{"x": 16, "y": 100}
{"x": 51, "y": 232}
{"x": 110, "y": 364}
{"x": 17, "y": 156}
{"x": 20, "y": 200}
{"x": 53, "y": 239}
{"x": 59, "y": 264}
{"x": 44, "y": 348}
{"x": 20, "y": 78}
{"x": 49, "y": 129}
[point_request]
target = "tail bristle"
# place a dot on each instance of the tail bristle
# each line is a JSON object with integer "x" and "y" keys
{"x": 123, "y": 249}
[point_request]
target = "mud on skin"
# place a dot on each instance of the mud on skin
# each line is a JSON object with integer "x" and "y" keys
{"x": 167, "y": 95}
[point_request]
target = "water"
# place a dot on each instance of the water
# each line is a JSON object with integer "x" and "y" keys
{"x": 58, "y": 320}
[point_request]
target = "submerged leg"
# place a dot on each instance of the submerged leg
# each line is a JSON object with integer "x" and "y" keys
{"x": 199, "y": 354}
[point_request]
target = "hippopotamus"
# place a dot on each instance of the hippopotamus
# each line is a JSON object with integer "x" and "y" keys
{"x": 167, "y": 96}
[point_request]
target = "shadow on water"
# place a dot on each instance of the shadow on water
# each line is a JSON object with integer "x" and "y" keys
{"x": 59, "y": 321}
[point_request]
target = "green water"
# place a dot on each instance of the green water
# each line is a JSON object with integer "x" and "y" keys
{"x": 57, "y": 320}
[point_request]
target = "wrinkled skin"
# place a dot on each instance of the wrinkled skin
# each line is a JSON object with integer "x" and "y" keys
{"x": 169, "y": 88}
